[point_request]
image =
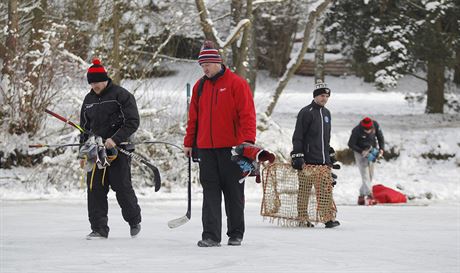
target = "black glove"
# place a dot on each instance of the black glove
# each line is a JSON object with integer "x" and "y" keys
{"x": 333, "y": 159}
{"x": 297, "y": 161}
{"x": 334, "y": 179}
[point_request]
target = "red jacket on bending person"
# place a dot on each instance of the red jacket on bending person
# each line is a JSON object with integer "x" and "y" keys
{"x": 225, "y": 111}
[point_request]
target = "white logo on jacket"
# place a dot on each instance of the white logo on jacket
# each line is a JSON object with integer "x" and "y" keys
{"x": 222, "y": 89}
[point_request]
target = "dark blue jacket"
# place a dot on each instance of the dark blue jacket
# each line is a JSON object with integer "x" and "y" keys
{"x": 312, "y": 134}
{"x": 111, "y": 114}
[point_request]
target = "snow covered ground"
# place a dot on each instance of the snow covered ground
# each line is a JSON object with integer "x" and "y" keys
{"x": 48, "y": 236}
{"x": 42, "y": 229}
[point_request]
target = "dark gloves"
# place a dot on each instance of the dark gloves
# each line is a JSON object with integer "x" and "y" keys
{"x": 334, "y": 179}
{"x": 333, "y": 159}
{"x": 335, "y": 166}
{"x": 297, "y": 161}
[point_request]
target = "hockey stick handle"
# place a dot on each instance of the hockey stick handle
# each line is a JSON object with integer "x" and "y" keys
{"x": 53, "y": 145}
{"x": 65, "y": 120}
{"x": 40, "y": 145}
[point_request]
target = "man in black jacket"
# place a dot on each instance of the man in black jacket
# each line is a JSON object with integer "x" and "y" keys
{"x": 110, "y": 111}
{"x": 311, "y": 146}
{"x": 363, "y": 142}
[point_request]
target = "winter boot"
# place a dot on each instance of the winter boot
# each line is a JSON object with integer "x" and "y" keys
{"x": 332, "y": 224}
{"x": 207, "y": 243}
{"x": 234, "y": 241}
{"x": 134, "y": 230}
{"x": 94, "y": 235}
{"x": 361, "y": 200}
{"x": 370, "y": 201}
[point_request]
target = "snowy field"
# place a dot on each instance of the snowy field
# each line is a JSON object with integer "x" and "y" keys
{"x": 48, "y": 236}
{"x": 43, "y": 226}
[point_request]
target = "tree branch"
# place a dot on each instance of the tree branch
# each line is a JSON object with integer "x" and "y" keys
{"x": 295, "y": 62}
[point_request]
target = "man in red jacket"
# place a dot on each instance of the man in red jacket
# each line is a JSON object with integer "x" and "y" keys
{"x": 221, "y": 115}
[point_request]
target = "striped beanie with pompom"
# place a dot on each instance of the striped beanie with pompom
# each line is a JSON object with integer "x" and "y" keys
{"x": 209, "y": 54}
{"x": 96, "y": 72}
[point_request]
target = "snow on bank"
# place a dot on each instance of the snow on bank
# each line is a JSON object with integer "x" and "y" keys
{"x": 406, "y": 128}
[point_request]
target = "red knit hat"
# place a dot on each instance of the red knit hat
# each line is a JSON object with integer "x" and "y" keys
{"x": 209, "y": 54}
{"x": 96, "y": 72}
{"x": 367, "y": 123}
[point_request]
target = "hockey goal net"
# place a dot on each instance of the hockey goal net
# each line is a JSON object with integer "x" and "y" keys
{"x": 294, "y": 198}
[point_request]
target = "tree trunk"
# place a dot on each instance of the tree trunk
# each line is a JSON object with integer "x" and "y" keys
{"x": 320, "y": 48}
{"x": 242, "y": 67}
{"x": 86, "y": 12}
{"x": 457, "y": 67}
{"x": 116, "y": 75}
{"x": 12, "y": 37}
{"x": 236, "y": 10}
{"x": 251, "y": 68}
{"x": 209, "y": 30}
{"x": 435, "y": 94}
{"x": 204, "y": 16}
{"x": 295, "y": 63}
{"x": 35, "y": 41}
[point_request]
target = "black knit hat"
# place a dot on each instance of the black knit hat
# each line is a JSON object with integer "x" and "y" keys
{"x": 321, "y": 88}
{"x": 96, "y": 72}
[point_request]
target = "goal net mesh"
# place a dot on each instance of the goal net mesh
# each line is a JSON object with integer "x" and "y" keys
{"x": 294, "y": 198}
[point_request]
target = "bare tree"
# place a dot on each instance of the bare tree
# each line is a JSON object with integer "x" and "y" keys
{"x": 320, "y": 48}
{"x": 81, "y": 19}
{"x": 243, "y": 50}
{"x": 457, "y": 66}
{"x": 116, "y": 75}
{"x": 210, "y": 31}
{"x": 295, "y": 62}
{"x": 12, "y": 37}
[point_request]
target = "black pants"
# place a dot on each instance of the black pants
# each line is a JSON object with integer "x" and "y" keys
{"x": 218, "y": 174}
{"x": 118, "y": 176}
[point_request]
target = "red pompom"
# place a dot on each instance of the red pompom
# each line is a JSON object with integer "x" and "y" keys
{"x": 96, "y": 61}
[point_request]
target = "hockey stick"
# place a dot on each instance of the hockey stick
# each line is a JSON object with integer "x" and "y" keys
{"x": 154, "y": 142}
{"x": 184, "y": 219}
{"x": 42, "y": 145}
{"x": 53, "y": 145}
{"x": 156, "y": 172}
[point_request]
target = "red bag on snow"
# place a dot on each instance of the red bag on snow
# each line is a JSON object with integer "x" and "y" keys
{"x": 387, "y": 195}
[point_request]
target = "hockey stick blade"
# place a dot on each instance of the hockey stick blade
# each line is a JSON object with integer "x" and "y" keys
{"x": 178, "y": 222}
{"x": 156, "y": 173}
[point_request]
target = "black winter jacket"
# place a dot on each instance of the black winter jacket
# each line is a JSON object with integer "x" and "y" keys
{"x": 111, "y": 114}
{"x": 360, "y": 140}
{"x": 312, "y": 134}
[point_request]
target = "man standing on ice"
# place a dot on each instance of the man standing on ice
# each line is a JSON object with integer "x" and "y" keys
{"x": 110, "y": 111}
{"x": 221, "y": 115}
{"x": 363, "y": 142}
{"x": 310, "y": 155}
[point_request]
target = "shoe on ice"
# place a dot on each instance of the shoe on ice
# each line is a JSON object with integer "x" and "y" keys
{"x": 134, "y": 230}
{"x": 94, "y": 235}
{"x": 332, "y": 224}
{"x": 234, "y": 241}
{"x": 207, "y": 243}
{"x": 361, "y": 201}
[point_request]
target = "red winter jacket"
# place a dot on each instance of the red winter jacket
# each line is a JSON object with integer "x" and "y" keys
{"x": 387, "y": 195}
{"x": 226, "y": 113}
